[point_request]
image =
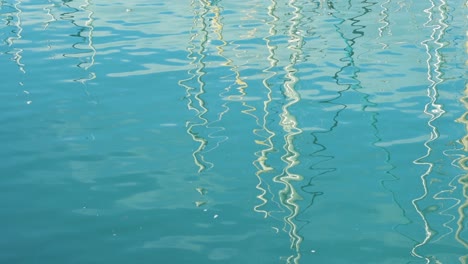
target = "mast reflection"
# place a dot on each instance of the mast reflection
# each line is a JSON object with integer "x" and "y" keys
{"x": 434, "y": 110}
{"x": 463, "y": 181}
{"x": 288, "y": 196}
{"x": 14, "y": 19}
{"x": 194, "y": 101}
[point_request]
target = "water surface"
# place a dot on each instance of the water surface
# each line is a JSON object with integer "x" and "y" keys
{"x": 231, "y": 132}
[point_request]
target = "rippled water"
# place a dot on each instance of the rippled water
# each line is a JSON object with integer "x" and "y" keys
{"x": 233, "y": 131}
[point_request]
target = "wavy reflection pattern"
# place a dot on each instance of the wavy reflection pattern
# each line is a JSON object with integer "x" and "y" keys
{"x": 289, "y": 196}
{"x": 84, "y": 49}
{"x": 194, "y": 101}
{"x": 12, "y": 16}
{"x": 384, "y": 39}
{"x": 435, "y": 111}
{"x": 261, "y": 163}
{"x": 207, "y": 51}
{"x": 89, "y": 37}
{"x": 463, "y": 180}
{"x": 80, "y": 15}
{"x": 296, "y": 50}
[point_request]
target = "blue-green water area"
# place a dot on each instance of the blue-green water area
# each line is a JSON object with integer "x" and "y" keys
{"x": 259, "y": 131}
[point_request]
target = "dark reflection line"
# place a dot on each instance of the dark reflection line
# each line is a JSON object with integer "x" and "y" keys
{"x": 292, "y": 156}
{"x": 337, "y": 76}
{"x": 309, "y": 186}
{"x": 350, "y": 64}
{"x": 90, "y": 39}
{"x": 433, "y": 110}
{"x": 320, "y": 171}
{"x": 85, "y": 37}
{"x": 89, "y": 25}
{"x": 385, "y": 21}
{"x": 354, "y": 85}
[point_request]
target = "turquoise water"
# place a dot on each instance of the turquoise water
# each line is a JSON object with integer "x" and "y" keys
{"x": 233, "y": 131}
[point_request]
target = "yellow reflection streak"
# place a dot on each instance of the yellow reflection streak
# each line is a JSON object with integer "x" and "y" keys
{"x": 242, "y": 85}
{"x": 218, "y": 27}
{"x": 463, "y": 181}
{"x": 434, "y": 111}
{"x": 196, "y": 103}
{"x": 262, "y": 156}
{"x": 289, "y": 195}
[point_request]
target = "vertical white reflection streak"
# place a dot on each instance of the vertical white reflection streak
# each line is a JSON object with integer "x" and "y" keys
{"x": 290, "y": 126}
{"x": 434, "y": 111}
{"x": 443, "y": 26}
{"x": 384, "y": 21}
{"x": 196, "y": 104}
{"x": 89, "y": 25}
{"x": 49, "y": 13}
{"x": 262, "y": 155}
{"x": 18, "y": 54}
{"x": 218, "y": 28}
{"x": 463, "y": 181}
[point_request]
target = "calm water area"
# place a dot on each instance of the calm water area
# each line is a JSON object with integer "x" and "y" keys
{"x": 263, "y": 131}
